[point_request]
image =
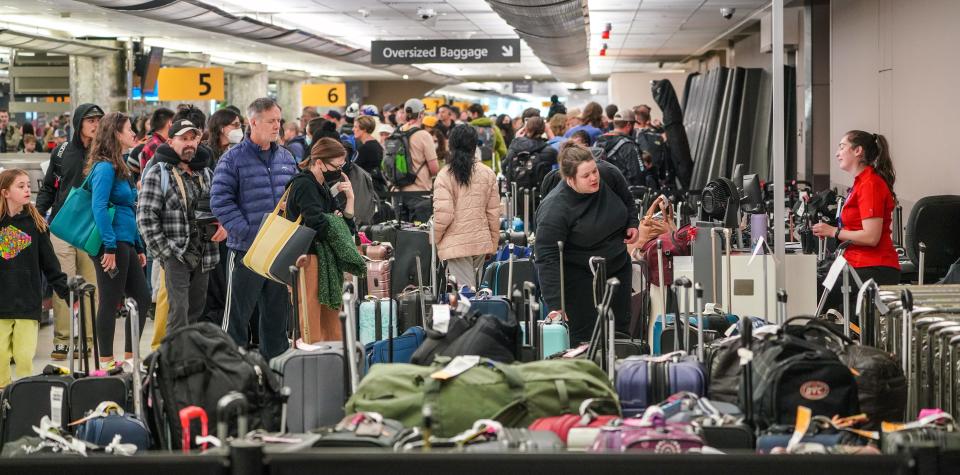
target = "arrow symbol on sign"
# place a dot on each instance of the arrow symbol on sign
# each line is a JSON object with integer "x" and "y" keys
{"x": 507, "y": 50}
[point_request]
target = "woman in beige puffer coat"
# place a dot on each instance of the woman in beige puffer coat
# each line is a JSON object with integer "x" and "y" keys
{"x": 466, "y": 208}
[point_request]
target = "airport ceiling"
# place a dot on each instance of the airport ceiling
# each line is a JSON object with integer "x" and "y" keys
{"x": 645, "y": 34}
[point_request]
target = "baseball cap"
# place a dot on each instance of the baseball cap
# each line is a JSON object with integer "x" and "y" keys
{"x": 414, "y": 106}
{"x": 384, "y": 129}
{"x": 181, "y": 127}
{"x": 352, "y": 110}
{"x": 333, "y": 115}
{"x": 388, "y": 107}
{"x": 369, "y": 109}
{"x": 625, "y": 115}
{"x": 430, "y": 121}
{"x": 59, "y": 133}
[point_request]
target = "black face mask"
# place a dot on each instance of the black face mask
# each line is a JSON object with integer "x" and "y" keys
{"x": 331, "y": 176}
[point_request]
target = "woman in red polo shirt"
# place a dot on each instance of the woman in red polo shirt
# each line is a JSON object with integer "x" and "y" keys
{"x": 867, "y": 214}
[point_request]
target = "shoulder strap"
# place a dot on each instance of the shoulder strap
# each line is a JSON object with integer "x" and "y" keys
{"x": 183, "y": 189}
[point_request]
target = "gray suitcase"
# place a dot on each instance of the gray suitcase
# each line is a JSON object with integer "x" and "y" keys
{"x": 317, "y": 378}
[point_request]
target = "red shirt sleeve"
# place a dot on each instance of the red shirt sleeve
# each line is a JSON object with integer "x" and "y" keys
{"x": 872, "y": 200}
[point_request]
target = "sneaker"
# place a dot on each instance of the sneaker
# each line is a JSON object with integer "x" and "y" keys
{"x": 59, "y": 353}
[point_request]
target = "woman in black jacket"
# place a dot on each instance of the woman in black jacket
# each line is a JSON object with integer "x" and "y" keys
{"x": 588, "y": 214}
{"x": 312, "y": 195}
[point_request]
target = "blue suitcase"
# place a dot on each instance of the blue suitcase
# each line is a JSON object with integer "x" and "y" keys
{"x": 403, "y": 348}
{"x": 101, "y": 430}
{"x": 647, "y": 380}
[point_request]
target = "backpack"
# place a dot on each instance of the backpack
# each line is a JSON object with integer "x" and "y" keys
{"x": 486, "y": 140}
{"x": 196, "y": 366}
{"x": 607, "y": 148}
{"x": 397, "y": 163}
{"x": 526, "y": 169}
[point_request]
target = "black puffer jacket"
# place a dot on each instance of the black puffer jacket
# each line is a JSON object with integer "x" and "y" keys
{"x": 66, "y": 167}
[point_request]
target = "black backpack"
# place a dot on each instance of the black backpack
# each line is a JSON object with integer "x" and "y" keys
{"x": 791, "y": 371}
{"x": 196, "y": 366}
{"x": 526, "y": 169}
{"x": 398, "y": 168}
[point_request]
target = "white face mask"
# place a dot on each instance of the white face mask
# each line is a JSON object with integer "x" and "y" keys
{"x": 235, "y": 136}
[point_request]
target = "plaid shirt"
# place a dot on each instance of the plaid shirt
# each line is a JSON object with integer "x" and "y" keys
{"x": 162, "y": 217}
{"x": 150, "y": 148}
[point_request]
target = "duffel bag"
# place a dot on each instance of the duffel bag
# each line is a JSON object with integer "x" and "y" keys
{"x": 514, "y": 395}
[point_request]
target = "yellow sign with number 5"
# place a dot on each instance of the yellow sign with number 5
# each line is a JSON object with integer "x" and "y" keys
{"x": 190, "y": 84}
{"x": 324, "y": 95}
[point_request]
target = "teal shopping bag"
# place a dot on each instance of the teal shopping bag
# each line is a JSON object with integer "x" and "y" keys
{"x": 74, "y": 222}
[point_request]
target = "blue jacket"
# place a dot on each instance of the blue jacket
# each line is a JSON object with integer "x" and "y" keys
{"x": 592, "y": 131}
{"x": 109, "y": 191}
{"x": 245, "y": 188}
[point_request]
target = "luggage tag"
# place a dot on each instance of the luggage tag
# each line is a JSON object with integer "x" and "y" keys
{"x": 804, "y": 417}
{"x": 457, "y": 366}
{"x": 441, "y": 317}
{"x": 834, "y": 272}
{"x": 56, "y": 406}
{"x": 575, "y": 352}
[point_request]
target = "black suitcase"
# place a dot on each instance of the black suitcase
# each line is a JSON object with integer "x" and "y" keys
{"x": 411, "y": 242}
{"x": 25, "y": 401}
{"x": 383, "y": 232}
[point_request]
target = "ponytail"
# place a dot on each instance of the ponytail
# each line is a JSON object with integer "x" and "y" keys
{"x": 876, "y": 153}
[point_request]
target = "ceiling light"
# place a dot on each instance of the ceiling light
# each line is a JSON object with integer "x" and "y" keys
{"x": 528, "y": 77}
{"x": 406, "y": 76}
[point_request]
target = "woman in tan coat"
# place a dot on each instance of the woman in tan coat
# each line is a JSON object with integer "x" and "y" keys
{"x": 466, "y": 208}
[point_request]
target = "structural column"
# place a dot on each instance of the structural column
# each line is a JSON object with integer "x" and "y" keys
{"x": 101, "y": 81}
{"x": 289, "y": 98}
{"x": 241, "y": 90}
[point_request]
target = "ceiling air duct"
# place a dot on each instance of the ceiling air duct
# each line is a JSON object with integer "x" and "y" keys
{"x": 555, "y": 30}
{"x": 199, "y": 15}
{"x": 27, "y": 42}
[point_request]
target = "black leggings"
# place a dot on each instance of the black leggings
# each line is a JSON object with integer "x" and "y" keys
{"x": 130, "y": 281}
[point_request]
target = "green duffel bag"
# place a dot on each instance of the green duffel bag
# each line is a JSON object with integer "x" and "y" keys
{"x": 515, "y": 395}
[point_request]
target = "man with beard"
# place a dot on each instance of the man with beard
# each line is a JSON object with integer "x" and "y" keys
{"x": 167, "y": 216}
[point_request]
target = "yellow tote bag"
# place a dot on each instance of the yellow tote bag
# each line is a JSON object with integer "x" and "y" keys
{"x": 278, "y": 244}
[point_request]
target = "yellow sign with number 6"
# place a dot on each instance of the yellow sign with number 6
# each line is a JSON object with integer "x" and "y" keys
{"x": 324, "y": 95}
{"x": 190, "y": 84}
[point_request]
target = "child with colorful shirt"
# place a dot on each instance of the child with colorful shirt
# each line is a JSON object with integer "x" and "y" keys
{"x": 25, "y": 254}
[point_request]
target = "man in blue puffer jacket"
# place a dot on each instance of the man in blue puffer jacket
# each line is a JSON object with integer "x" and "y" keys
{"x": 248, "y": 183}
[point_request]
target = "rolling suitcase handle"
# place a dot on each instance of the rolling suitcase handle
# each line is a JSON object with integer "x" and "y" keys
{"x": 687, "y": 301}
{"x": 611, "y": 354}
{"x": 906, "y": 298}
{"x": 781, "y": 305}
{"x": 133, "y": 313}
{"x": 923, "y": 262}
{"x": 663, "y": 289}
{"x": 74, "y": 283}
{"x": 188, "y": 414}
{"x": 510, "y": 250}
{"x": 90, "y": 289}
{"x": 349, "y": 336}
{"x": 232, "y": 402}
{"x": 563, "y": 287}
{"x": 532, "y": 328}
{"x": 698, "y": 293}
{"x": 677, "y": 286}
{"x": 526, "y": 212}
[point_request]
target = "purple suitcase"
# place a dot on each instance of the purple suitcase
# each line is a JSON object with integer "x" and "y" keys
{"x": 643, "y": 381}
{"x": 650, "y": 434}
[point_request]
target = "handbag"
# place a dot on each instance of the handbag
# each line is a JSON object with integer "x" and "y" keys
{"x": 278, "y": 244}
{"x": 74, "y": 223}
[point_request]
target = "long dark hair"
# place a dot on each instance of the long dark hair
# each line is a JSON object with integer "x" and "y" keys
{"x": 876, "y": 153}
{"x": 463, "y": 149}
{"x": 106, "y": 147}
{"x": 215, "y": 125}
{"x": 506, "y": 128}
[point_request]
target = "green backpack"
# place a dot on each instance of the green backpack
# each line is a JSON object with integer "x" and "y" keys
{"x": 515, "y": 395}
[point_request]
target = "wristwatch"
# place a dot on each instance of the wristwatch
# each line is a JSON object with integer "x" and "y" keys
{"x": 836, "y": 235}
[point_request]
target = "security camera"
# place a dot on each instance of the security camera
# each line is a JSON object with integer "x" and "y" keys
{"x": 727, "y": 13}
{"x": 426, "y": 13}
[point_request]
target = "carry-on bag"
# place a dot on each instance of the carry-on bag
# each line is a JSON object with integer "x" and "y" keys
{"x": 278, "y": 244}
{"x": 514, "y": 395}
{"x": 563, "y": 424}
{"x": 315, "y": 374}
{"x": 378, "y": 319}
{"x": 76, "y": 225}
{"x": 108, "y": 421}
{"x": 651, "y": 434}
